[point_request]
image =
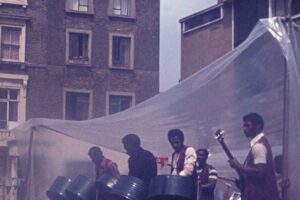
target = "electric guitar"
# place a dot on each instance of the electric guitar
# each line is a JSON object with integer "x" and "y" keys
{"x": 220, "y": 137}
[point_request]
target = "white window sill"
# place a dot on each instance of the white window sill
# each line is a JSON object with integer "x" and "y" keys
{"x": 24, "y": 4}
{"x": 12, "y": 61}
{"x": 77, "y": 63}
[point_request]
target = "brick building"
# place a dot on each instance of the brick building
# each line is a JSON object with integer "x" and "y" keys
{"x": 210, "y": 33}
{"x": 72, "y": 59}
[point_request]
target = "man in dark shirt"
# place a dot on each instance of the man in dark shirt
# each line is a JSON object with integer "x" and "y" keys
{"x": 141, "y": 163}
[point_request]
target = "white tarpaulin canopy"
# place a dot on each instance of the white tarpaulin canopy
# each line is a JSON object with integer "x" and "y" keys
{"x": 261, "y": 75}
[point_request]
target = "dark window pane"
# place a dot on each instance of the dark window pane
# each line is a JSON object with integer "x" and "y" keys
{"x": 246, "y": 15}
{"x": 121, "y": 51}
{"x": 295, "y": 7}
{"x": 14, "y": 94}
{"x": 3, "y": 124}
{"x": 203, "y": 19}
{"x": 78, "y": 47}
{"x": 3, "y": 93}
{"x": 77, "y": 106}
{"x": 119, "y": 103}
{"x": 13, "y": 111}
{"x": 3, "y": 111}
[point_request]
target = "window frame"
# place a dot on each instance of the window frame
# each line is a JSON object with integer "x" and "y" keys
{"x": 78, "y": 31}
{"x": 132, "y": 10}
{"x": 22, "y": 3}
{"x": 110, "y": 51}
{"x": 90, "y": 92}
{"x": 117, "y": 93}
{"x": 89, "y": 11}
{"x": 18, "y": 82}
{"x": 297, "y": 15}
{"x": 184, "y": 20}
{"x": 22, "y": 41}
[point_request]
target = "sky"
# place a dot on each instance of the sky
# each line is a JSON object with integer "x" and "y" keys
{"x": 171, "y": 11}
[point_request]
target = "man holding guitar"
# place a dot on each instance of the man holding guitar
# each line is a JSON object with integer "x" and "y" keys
{"x": 257, "y": 172}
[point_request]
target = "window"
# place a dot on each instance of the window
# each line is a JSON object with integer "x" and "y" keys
{"x": 246, "y": 15}
{"x": 203, "y": 18}
{"x": 119, "y": 102}
{"x": 78, "y": 47}
{"x": 12, "y": 43}
{"x": 16, "y": 2}
{"x": 80, "y": 5}
{"x": 77, "y": 105}
{"x": 295, "y": 7}
{"x": 121, "y": 51}
{"x": 13, "y": 89}
{"x": 122, "y": 8}
{"x": 9, "y": 100}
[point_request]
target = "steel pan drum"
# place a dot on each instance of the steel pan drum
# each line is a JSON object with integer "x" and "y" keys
{"x": 169, "y": 187}
{"x": 129, "y": 188}
{"x": 106, "y": 182}
{"x": 104, "y": 185}
{"x": 58, "y": 187}
{"x": 81, "y": 188}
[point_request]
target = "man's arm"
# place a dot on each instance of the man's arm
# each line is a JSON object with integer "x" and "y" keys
{"x": 189, "y": 162}
{"x": 114, "y": 170}
{"x": 212, "y": 180}
{"x": 260, "y": 160}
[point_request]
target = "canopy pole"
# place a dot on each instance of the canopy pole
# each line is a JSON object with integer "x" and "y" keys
{"x": 28, "y": 166}
{"x": 287, "y": 10}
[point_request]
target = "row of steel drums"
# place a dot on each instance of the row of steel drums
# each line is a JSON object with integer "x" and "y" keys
{"x": 163, "y": 187}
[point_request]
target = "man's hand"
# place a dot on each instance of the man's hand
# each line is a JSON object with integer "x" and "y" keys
{"x": 234, "y": 163}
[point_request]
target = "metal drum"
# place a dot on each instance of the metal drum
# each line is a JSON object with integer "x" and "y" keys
{"x": 170, "y": 187}
{"x": 104, "y": 185}
{"x": 129, "y": 188}
{"x": 81, "y": 188}
{"x": 58, "y": 187}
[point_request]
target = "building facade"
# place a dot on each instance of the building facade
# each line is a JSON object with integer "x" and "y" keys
{"x": 73, "y": 60}
{"x": 209, "y": 34}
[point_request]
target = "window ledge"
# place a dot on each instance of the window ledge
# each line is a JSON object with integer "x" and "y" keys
{"x": 12, "y": 62}
{"x": 87, "y": 13}
{"x": 121, "y": 68}
{"x": 113, "y": 16}
{"x": 78, "y": 65}
{"x": 23, "y": 4}
{"x": 202, "y": 26}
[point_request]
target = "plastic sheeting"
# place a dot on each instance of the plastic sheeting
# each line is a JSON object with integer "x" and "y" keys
{"x": 261, "y": 75}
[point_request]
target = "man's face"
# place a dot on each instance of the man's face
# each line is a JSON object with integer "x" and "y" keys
{"x": 96, "y": 158}
{"x": 176, "y": 143}
{"x": 249, "y": 129}
{"x": 129, "y": 149}
{"x": 201, "y": 157}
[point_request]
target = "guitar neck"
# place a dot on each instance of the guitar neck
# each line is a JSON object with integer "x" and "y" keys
{"x": 229, "y": 154}
{"x": 227, "y": 151}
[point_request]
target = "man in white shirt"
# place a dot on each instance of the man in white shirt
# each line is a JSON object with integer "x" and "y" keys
{"x": 257, "y": 172}
{"x": 184, "y": 157}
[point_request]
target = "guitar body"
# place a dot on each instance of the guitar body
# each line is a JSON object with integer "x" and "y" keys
{"x": 239, "y": 182}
